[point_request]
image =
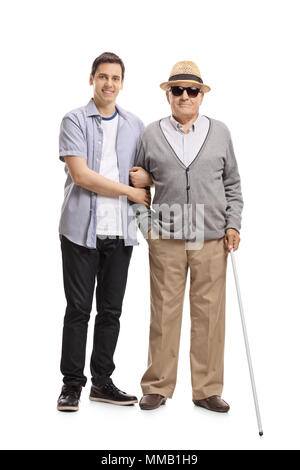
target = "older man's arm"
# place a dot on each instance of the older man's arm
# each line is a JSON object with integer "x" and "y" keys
{"x": 233, "y": 194}
{"x": 142, "y": 213}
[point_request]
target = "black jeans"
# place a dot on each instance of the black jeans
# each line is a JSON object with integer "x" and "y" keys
{"x": 108, "y": 263}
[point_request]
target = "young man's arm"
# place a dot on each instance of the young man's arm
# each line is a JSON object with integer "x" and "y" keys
{"x": 73, "y": 151}
{"x": 88, "y": 179}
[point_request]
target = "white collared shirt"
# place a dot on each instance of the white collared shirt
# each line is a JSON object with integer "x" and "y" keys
{"x": 185, "y": 145}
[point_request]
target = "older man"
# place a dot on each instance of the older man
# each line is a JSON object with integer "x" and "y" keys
{"x": 194, "y": 222}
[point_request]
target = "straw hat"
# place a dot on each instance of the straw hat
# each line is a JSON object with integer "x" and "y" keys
{"x": 185, "y": 73}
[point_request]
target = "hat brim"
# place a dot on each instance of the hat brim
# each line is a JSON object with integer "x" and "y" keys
{"x": 165, "y": 85}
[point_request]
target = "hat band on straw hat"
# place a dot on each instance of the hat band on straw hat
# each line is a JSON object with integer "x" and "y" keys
{"x": 185, "y": 76}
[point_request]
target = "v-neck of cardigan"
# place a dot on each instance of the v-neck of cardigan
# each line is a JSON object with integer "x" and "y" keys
{"x": 200, "y": 150}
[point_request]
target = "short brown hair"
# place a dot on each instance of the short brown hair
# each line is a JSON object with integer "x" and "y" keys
{"x": 107, "y": 57}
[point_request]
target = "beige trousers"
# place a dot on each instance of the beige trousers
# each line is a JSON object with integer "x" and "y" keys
{"x": 169, "y": 263}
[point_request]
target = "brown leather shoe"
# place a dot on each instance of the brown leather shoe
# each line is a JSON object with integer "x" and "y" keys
{"x": 214, "y": 403}
{"x": 152, "y": 401}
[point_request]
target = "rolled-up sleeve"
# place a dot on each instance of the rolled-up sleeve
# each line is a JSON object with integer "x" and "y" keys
{"x": 71, "y": 139}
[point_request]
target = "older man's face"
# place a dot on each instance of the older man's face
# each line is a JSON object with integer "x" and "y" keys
{"x": 184, "y": 107}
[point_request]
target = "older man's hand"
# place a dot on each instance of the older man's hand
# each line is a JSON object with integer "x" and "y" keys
{"x": 139, "y": 177}
{"x": 231, "y": 240}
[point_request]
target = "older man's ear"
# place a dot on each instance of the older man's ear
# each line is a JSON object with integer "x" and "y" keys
{"x": 139, "y": 177}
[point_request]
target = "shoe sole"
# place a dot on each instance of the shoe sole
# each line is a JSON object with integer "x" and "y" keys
{"x": 67, "y": 408}
{"x": 145, "y": 407}
{"x": 124, "y": 403}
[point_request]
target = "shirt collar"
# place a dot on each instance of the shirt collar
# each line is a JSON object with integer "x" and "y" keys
{"x": 194, "y": 127}
{"x": 93, "y": 111}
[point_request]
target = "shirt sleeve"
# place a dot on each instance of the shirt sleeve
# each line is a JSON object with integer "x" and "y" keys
{"x": 233, "y": 193}
{"x": 71, "y": 139}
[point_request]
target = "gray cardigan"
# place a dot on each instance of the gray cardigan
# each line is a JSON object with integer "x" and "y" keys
{"x": 205, "y": 197}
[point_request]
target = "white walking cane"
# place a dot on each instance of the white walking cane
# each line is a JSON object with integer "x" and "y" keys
{"x": 246, "y": 344}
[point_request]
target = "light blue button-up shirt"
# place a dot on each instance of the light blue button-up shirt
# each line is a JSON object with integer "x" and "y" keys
{"x": 81, "y": 135}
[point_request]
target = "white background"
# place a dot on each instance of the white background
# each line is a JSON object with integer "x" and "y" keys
{"x": 247, "y": 52}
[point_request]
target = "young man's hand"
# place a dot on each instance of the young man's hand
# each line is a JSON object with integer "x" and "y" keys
{"x": 231, "y": 240}
{"x": 140, "y": 196}
{"x": 139, "y": 177}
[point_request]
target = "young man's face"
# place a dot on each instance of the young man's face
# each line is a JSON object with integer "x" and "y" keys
{"x": 107, "y": 82}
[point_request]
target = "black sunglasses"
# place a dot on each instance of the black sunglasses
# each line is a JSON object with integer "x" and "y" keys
{"x": 191, "y": 91}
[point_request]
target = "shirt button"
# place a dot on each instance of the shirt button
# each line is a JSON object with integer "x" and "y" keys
{"x": 188, "y": 187}
{"x": 187, "y": 169}
{"x": 99, "y": 142}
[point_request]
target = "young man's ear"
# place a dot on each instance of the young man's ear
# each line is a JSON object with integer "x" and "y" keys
{"x": 91, "y": 79}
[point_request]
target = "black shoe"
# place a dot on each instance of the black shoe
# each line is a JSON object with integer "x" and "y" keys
{"x": 68, "y": 400}
{"x": 109, "y": 393}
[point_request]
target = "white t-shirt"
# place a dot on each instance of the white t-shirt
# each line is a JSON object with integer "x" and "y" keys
{"x": 109, "y": 215}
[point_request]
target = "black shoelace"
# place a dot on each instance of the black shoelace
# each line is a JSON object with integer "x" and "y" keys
{"x": 70, "y": 391}
{"x": 110, "y": 386}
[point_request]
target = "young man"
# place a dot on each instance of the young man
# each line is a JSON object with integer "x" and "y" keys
{"x": 195, "y": 222}
{"x": 97, "y": 231}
